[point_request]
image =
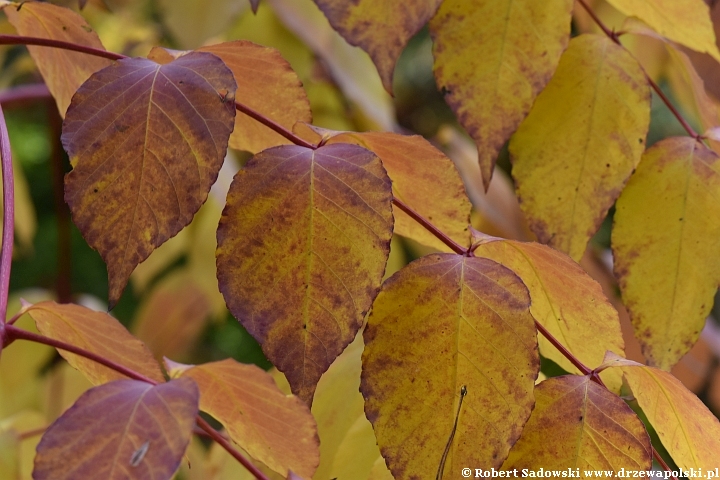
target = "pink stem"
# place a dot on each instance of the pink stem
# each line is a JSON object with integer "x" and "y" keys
{"x": 8, "y": 216}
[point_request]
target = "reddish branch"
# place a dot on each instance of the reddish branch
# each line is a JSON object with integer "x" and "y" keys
{"x": 46, "y": 42}
{"x": 8, "y": 216}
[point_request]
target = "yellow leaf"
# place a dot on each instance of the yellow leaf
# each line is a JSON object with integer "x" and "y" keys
{"x": 590, "y": 428}
{"x": 172, "y": 315}
{"x": 17, "y": 448}
{"x": 160, "y": 258}
{"x": 687, "y": 429}
{"x": 379, "y": 27}
{"x": 580, "y": 143}
{"x": 687, "y": 22}
{"x": 25, "y": 219}
{"x": 492, "y": 58}
{"x": 63, "y": 71}
{"x": 325, "y": 217}
{"x": 426, "y": 180}
{"x": 666, "y": 243}
{"x": 565, "y": 300}
{"x": 268, "y": 85}
{"x": 142, "y": 164}
{"x": 63, "y": 385}
{"x": 443, "y": 324}
{"x": 96, "y": 332}
{"x": 277, "y": 430}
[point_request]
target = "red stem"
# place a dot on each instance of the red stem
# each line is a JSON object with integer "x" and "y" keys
{"x": 8, "y": 216}
{"x": 614, "y": 37}
{"x": 454, "y": 246}
{"x": 218, "y": 437}
{"x": 255, "y": 115}
{"x": 47, "y": 42}
{"x": 21, "y": 94}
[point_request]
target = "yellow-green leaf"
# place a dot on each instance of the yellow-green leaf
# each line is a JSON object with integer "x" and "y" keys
{"x": 565, "y": 300}
{"x": 63, "y": 70}
{"x": 124, "y": 429}
{"x": 666, "y": 242}
{"x": 192, "y": 23}
{"x": 442, "y": 323}
{"x": 492, "y": 58}
{"x": 578, "y": 424}
{"x": 687, "y": 429}
{"x": 580, "y": 143}
{"x": 317, "y": 224}
{"x": 275, "y": 429}
{"x": 96, "y": 332}
{"x": 268, "y": 85}
{"x": 687, "y": 22}
{"x": 146, "y": 142}
{"x": 379, "y": 27}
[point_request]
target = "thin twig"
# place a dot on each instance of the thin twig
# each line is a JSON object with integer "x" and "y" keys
{"x": 8, "y": 216}
{"x": 271, "y": 124}
{"x": 47, "y": 42}
{"x": 219, "y": 438}
{"x": 454, "y": 246}
{"x": 23, "y": 93}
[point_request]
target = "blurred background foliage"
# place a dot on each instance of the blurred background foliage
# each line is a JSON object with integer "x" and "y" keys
{"x": 172, "y": 302}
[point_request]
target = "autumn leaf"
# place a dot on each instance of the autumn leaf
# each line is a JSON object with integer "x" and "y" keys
{"x": 146, "y": 142}
{"x": 143, "y": 433}
{"x": 193, "y": 23}
{"x": 324, "y": 216}
{"x": 491, "y": 61}
{"x": 442, "y": 324}
{"x": 96, "y": 332}
{"x": 666, "y": 244}
{"x": 379, "y": 27}
{"x": 580, "y": 143}
{"x": 686, "y": 22}
{"x": 275, "y": 429}
{"x": 63, "y": 70}
{"x": 590, "y": 428}
{"x": 565, "y": 300}
{"x": 687, "y": 429}
{"x": 422, "y": 177}
{"x": 268, "y": 85}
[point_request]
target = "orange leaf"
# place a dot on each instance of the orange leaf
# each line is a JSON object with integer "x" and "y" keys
{"x": 276, "y": 429}
{"x": 687, "y": 429}
{"x": 268, "y": 85}
{"x": 589, "y": 427}
{"x": 379, "y": 27}
{"x": 443, "y": 324}
{"x": 121, "y": 430}
{"x": 146, "y": 142}
{"x": 317, "y": 224}
{"x": 96, "y": 332}
{"x": 63, "y": 70}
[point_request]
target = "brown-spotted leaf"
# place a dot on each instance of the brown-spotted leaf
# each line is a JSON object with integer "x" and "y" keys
{"x": 687, "y": 429}
{"x": 492, "y": 58}
{"x": 379, "y": 27}
{"x": 121, "y": 430}
{"x": 666, "y": 244}
{"x": 578, "y": 424}
{"x": 146, "y": 142}
{"x": 581, "y": 142}
{"x": 565, "y": 300}
{"x": 63, "y": 71}
{"x": 276, "y": 429}
{"x": 268, "y": 85}
{"x": 425, "y": 179}
{"x": 302, "y": 247}
{"x": 442, "y": 323}
{"x": 96, "y": 332}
